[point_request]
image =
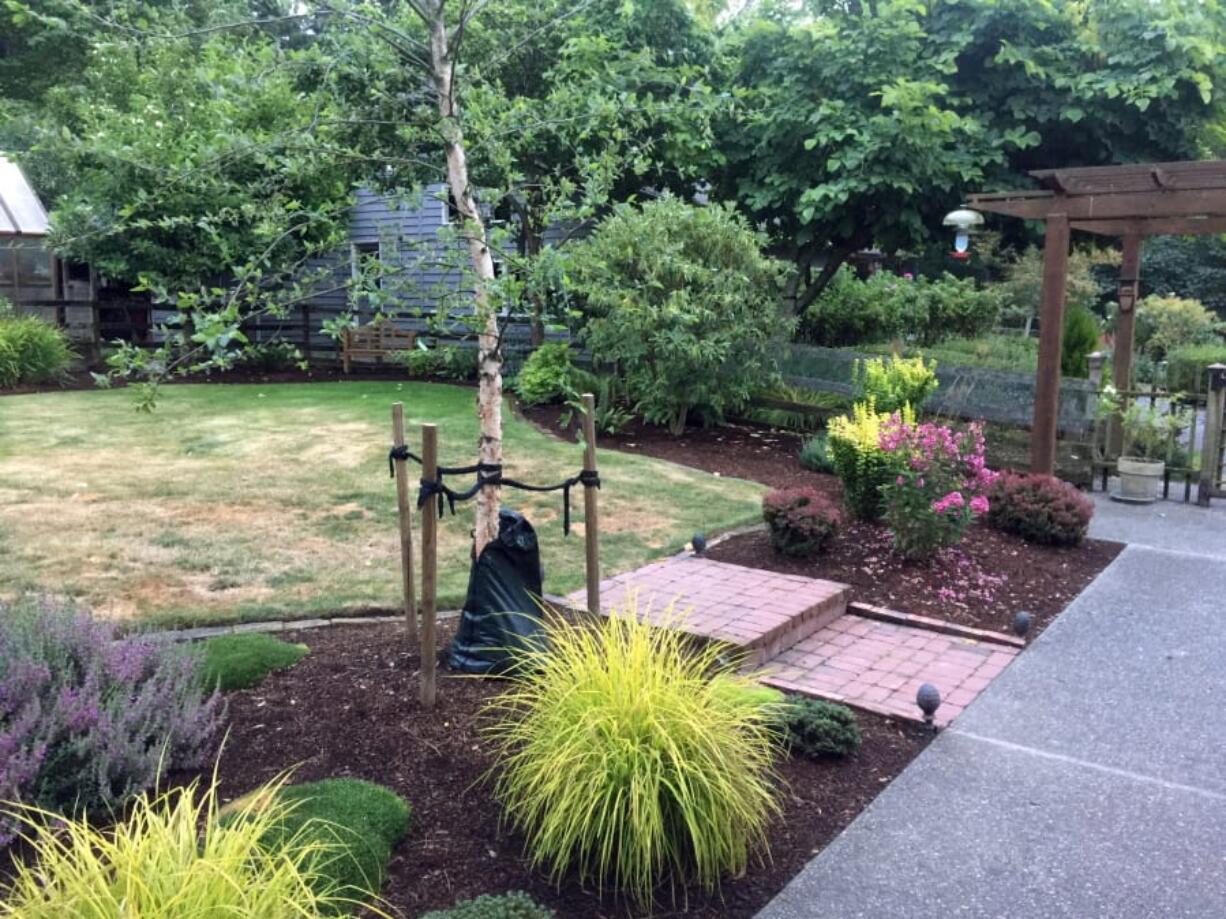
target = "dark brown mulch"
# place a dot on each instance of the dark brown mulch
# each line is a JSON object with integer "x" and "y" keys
{"x": 981, "y": 583}
{"x": 350, "y": 709}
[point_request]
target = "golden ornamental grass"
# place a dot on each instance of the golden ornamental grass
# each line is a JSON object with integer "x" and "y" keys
{"x": 169, "y": 858}
{"x": 633, "y": 756}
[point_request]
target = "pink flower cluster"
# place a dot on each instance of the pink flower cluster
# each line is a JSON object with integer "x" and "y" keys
{"x": 928, "y": 447}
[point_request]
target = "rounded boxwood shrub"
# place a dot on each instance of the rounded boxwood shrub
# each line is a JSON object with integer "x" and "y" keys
{"x": 1039, "y": 508}
{"x": 814, "y": 728}
{"x": 632, "y": 757}
{"x": 546, "y": 375}
{"x": 799, "y": 520}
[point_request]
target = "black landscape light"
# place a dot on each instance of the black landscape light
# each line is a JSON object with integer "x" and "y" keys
{"x": 929, "y": 700}
{"x": 699, "y": 542}
{"x": 1021, "y": 623}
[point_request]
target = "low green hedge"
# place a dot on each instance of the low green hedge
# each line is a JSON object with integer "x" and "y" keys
{"x": 1185, "y": 368}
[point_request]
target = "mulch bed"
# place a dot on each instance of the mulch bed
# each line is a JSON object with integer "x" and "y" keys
{"x": 350, "y": 709}
{"x": 981, "y": 583}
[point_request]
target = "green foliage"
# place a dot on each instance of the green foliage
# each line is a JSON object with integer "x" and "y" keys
{"x": 884, "y": 306}
{"x": 546, "y": 374}
{"x": 815, "y": 454}
{"x": 31, "y": 351}
{"x": 350, "y": 825}
{"x": 1185, "y": 371}
{"x": 624, "y": 757}
{"x": 1150, "y": 432}
{"x": 681, "y": 300}
{"x": 799, "y": 520}
{"x": 1166, "y": 323}
{"x": 170, "y": 857}
{"x": 815, "y": 728}
{"x": 794, "y": 408}
{"x": 997, "y": 352}
{"x": 514, "y": 905}
{"x": 1021, "y": 289}
{"x": 895, "y": 382}
{"x": 1081, "y": 334}
{"x": 446, "y": 362}
{"x": 242, "y": 661}
{"x": 859, "y": 462}
{"x": 1190, "y": 267}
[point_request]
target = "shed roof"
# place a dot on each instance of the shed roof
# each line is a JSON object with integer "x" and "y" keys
{"x": 21, "y": 213}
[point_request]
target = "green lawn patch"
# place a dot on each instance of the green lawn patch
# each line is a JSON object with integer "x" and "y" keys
{"x": 242, "y": 661}
{"x": 245, "y": 502}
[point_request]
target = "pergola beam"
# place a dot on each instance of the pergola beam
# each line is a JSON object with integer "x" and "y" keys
{"x": 1209, "y": 202}
{"x": 1154, "y": 226}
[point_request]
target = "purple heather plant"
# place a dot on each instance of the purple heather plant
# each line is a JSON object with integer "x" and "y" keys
{"x": 88, "y": 719}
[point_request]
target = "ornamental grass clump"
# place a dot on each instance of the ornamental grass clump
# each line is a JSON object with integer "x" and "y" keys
{"x": 88, "y": 721}
{"x": 627, "y": 755}
{"x": 939, "y": 484}
{"x": 800, "y": 521}
{"x": 170, "y": 857}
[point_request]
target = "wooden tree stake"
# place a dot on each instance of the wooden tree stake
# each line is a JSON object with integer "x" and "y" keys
{"x": 591, "y": 509}
{"x": 406, "y": 523}
{"x": 429, "y": 567}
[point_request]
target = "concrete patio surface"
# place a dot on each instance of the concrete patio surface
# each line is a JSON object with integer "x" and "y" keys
{"x": 1088, "y": 780}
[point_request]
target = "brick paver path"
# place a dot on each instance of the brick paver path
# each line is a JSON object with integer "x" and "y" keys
{"x": 880, "y": 666}
{"x": 798, "y": 631}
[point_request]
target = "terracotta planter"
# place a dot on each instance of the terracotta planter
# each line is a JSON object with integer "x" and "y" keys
{"x": 1140, "y": 479}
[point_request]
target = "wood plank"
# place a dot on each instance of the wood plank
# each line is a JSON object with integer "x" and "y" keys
{"x": 1051, "y": 334}
{"x": 1130, "y": 205}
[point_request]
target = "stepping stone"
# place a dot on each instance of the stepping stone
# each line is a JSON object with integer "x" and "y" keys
{"x": 762, "y": 613}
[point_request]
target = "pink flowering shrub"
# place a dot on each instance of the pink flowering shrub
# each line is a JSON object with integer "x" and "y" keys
{"x": 799, "y": 520}
{"x": 1039, "y": 508}
{"x": 939, "y": 486}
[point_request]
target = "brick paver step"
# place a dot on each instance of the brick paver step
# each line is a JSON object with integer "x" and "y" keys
{"x": 762, "y": 612}
{"x": 879, "y": 666}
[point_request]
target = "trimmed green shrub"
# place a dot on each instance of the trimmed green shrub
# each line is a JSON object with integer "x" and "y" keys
{"x": 448, "y": 362}
{"x": 815, "y": 728}
{"x": 625, "y": 755}
{"x": 1039, "y": 508}
{"x": 682, "y": 301}
{"x": 884, "y": 307}
{"x": 1081, "y": 332}
{"x": 815, "y": 454}
{"x": 171, "y": 857}
{"x": 894, "y": 382}
{"x": 546, "y": 375}
{"x": 352, "y": 826}
{"x": 1185, "y": 370}
{"x": 1166, "y": 323}
{"x": 32, "y": 351}
{"x": 242, "y": 661}
{"x": 799, "y": 520}
{"x": 514, "y": 905}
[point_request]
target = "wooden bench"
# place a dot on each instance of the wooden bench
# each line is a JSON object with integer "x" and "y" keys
{"x": 375, "y": 341}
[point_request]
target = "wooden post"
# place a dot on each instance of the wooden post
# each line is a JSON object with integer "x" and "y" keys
{"x": 1051, "y": 336}
{"x": 1125, "y": 326}
{"x": 406, "y": 523}
{"x": 1211, "y": 449}
{"x": 429, "y": 567}
{"x": 591, "y": 508}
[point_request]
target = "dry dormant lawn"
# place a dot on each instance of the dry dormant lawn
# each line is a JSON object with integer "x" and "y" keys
{"x": 235, "y": 502}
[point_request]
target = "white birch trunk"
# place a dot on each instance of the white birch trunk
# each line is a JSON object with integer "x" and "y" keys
{"x": 489, "y": 361}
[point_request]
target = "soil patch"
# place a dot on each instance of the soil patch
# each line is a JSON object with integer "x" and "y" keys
{"x": 981, "y": 583}
{"x": 349, "y": 709}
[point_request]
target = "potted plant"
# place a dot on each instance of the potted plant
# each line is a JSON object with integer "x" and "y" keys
{"x": 1149, "y": 435}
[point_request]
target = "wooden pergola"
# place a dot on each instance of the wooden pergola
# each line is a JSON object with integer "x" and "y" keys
{"x": 1130, "y": 202}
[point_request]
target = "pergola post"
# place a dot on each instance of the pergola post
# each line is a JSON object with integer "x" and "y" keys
{"x": 1051, "y": 338}
{"x": 1125, "y": 326}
